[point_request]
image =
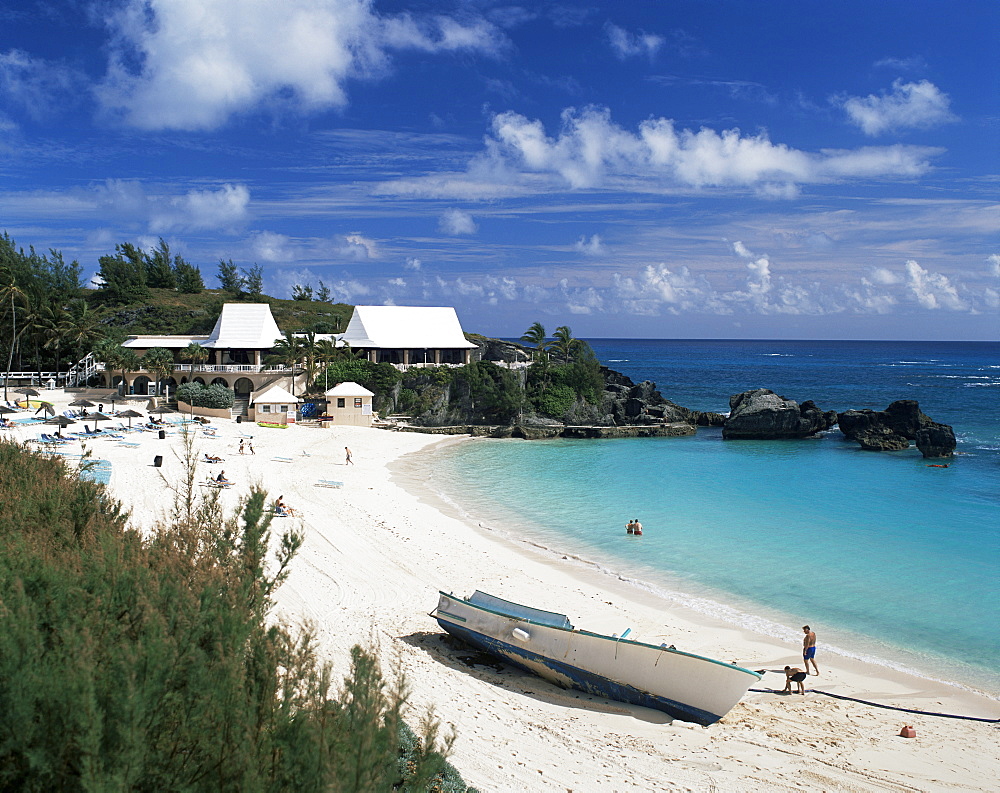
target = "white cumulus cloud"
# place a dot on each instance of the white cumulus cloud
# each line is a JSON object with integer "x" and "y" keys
{"x": 932, "y": 290}
{"x": 191, "y": 64}
{"x": 908, "y": 105}
{"x": 457, "y": 222}
{"x": 993, "y": 264}
{"x": 358, "y": 247}
{"x": 591, "y": 247}
{"x": 591, "y": 151}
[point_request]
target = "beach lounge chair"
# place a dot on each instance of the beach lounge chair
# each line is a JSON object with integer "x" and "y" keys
{"x": 329, "y": 483}
{"x": 216, "y": 483}
{"x": 129, "y": 444}
{"x": 283, "y": 459}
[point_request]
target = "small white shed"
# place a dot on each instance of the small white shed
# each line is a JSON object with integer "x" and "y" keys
{"x": 274, "y": 405}
{"x": 349, "y": 403}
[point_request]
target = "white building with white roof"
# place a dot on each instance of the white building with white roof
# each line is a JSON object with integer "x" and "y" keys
{"x": 274, "y": 405}
{"x": 245, "y": 333}
{"x": 408, "y": 335}
{"x": 349, "y": 403}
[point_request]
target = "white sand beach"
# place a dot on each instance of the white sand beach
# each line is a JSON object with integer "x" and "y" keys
{"x": 377, "y": 551}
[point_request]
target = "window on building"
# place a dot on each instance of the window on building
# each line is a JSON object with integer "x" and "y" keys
{"x": 341, "y": 402}
{"x": 357, "y": 402}
{"x": 265, "y": 408}
{"x": 283, "y": 409}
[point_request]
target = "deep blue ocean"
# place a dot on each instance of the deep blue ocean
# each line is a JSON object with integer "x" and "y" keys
{"x": 884, "y": 556}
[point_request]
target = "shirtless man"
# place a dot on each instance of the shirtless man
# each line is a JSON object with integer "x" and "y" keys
{"x": 809, "y": 649}
{"x": 636, "y": 527}
{"x": 794, "y": 675}
{"x": 630, "y": 527}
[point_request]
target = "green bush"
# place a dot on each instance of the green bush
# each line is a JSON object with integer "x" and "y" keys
{"x": 555, "y": 401}
{"x": 211, "y": 396}
{"x": 151, "y": 662}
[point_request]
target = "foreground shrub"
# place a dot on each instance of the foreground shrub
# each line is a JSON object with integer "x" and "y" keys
{"x": 151, "y": 664}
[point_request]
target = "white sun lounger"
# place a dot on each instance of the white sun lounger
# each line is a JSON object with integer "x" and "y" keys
{"x": 329, "y": 483}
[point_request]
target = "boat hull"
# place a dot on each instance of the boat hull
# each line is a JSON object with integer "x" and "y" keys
{"x": 685, "y": 686}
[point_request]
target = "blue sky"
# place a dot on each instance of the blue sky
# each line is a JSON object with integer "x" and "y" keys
{"x": 644, "y": 169}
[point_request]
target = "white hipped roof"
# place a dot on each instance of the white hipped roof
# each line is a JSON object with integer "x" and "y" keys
{"x": 406, "y": 327}
{"x": 348, "y": 389}
{"x": 244, "y": 326}
{"x": 275, "y": 395}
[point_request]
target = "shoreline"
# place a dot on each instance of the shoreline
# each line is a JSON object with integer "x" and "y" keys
{"x": 376, "y": 552}
{"x": 716, "y": 605}
{"x": 713, "y": 606}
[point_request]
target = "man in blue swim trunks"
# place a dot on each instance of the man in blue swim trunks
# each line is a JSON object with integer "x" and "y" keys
{"x": 809, "y": 648}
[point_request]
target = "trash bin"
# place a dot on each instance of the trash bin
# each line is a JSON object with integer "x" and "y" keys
{"x": 239, "y": 419}
{"x": 163, "y": 434}
{"x": 158, "y": 461}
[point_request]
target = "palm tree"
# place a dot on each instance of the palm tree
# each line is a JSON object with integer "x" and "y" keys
{"x": 326, "y": 353}
{"x": 194, "y": 354}
{"x": 159, "y": 361}
{"x": 80, "y": 327}
{"x": 287, "y": 351}
{"x": 564, "y": 344}
{"x": 128, "y": 362}
{"x": 13, "y": 293}
{"x": 535, "y": 335}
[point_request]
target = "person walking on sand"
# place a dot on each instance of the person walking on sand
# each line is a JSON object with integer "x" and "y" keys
{"x": 241, "y": 446}
{"x": 809, "y": 648}
{"x": 250, "y": 447}
{"x": 348, "y": 460}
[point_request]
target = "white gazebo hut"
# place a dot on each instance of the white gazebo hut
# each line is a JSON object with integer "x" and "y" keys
{"x": 349, "y": 403}
{"x": 274, "y": 405}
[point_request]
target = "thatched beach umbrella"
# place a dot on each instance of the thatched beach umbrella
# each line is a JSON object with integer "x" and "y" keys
{"x": 27, "y": 391}
{"x": 163, "y": 410}
{"x": 94, "y": 417}
{"x": 130, "y": 414}
{"x": 82, "y": 403}
{"x": 60, "y": 421}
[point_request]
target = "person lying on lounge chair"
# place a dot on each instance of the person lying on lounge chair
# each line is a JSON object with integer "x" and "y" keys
{"x": 211, "y": 458}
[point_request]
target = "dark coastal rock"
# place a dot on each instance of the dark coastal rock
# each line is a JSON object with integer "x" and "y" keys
{"x": 627, "y": 402}
{"x": 761, "y": 414}
{"x": 498, "y": 350}
{"x": 892, "y": 429}
{"x": 936, "y": 440}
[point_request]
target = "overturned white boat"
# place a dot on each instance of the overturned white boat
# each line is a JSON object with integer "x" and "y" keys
{"x": 686, "y": 686}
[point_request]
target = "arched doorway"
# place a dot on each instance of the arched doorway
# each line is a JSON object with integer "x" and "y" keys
{"x": 198, "y": 380}
{"x": 220, "y": 381}
{"x": 243, "y": 387}
{"x": 141, "y": 385}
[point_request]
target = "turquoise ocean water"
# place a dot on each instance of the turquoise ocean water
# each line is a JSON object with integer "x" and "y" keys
{"x": 887, "y": 558}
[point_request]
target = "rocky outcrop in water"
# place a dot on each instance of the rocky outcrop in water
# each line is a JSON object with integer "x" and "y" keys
{"x": 892, "y": 429}
{"x": 761, "y": 414}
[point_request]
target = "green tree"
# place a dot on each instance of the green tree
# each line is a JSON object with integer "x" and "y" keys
{"x": 123, "y": 275}
{"x": 535, "y": 335}
{"x": 194, "y": 354}
{"x": 288, "y": 351}
{"x": 323, "y": 294}
{"x": 253, "y": 279}
{"x": 300, "y": 292}
{"x": 230, "y": 279}
{"x": 189, "y": 280}
{"x": 159, "y": 267}
{"x": 564, "y": 344}
{"x": 159, "y": 361}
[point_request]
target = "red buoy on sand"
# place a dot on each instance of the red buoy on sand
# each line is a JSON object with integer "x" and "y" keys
{"x": 907, "y": 732}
